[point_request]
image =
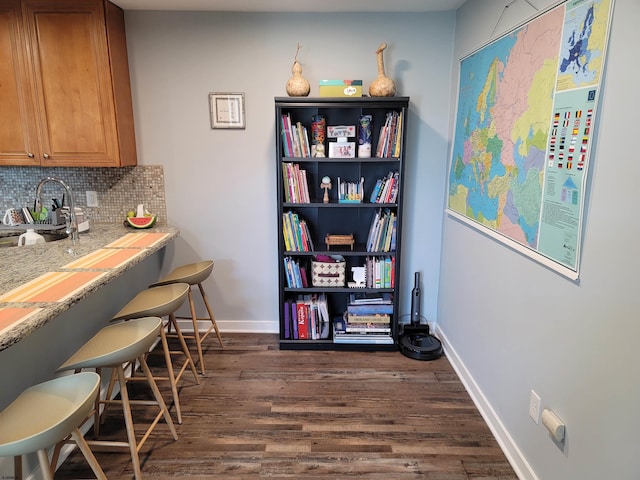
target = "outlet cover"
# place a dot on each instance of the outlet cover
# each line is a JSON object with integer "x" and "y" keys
{"x": 534, "y": 407}
{"x": 92, "y": 198}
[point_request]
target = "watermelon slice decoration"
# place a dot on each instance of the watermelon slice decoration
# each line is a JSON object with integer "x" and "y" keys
{"x": 142, "y": 219}
{"x": 141, "y": 222}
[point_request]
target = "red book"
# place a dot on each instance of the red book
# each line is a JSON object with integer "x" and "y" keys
{"x": 303, "y": 321}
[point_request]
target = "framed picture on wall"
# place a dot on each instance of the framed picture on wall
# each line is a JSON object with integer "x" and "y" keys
{"x": 227, "y": 110}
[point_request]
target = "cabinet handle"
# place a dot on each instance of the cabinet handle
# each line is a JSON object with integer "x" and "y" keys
{"x": 46, "y": 155}
{"x": 30, "y": 155}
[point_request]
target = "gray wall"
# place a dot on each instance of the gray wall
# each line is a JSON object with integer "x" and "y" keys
{"x": 512, "y": 325}
{"x": 220, "y": 184}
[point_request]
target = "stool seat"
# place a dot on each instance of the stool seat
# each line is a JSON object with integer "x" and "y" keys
{"x": 192, "y": 274}
{"x": 155, "y": 302}
{"x": 113, "y": 347}
{"x": 116, "y": 344}
{"x": 46, "y": 414}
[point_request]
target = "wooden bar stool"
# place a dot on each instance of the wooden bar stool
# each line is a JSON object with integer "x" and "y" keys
{"x": 195, "y": 274}
{"x": 163, "y": 301}
{"x": 46, "y": 414}
{"x": 114, "y": 347}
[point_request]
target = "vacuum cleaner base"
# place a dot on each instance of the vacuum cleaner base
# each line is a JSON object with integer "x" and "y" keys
{"x": 419, "y": 344}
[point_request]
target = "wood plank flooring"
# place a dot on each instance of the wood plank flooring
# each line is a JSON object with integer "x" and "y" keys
{"x": 264, "y": 413}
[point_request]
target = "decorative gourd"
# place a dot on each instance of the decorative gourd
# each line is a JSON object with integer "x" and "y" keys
{"x": 382, "y": 86}
{"x": 297, "y": 86}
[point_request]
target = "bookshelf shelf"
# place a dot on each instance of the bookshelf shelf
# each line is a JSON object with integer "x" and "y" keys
{"x": 314, "y": 281}
{"x": 334, "y": 204}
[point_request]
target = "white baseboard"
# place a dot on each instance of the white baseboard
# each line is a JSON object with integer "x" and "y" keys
{"x": 233, "y": 326}
{"x": 504, "y": 439}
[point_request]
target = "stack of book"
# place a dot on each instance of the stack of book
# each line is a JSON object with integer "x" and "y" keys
{"x": 306, "y": 318}
{"x": 367, "y": 320}
{"x": 295, "y": 139}
{"x": 296, "y": 188}
{"x": 382, "y": 232}
{"x": 390, "y": 136}
{"x": 386, "y": 189}
{"x": 297, "y": 237}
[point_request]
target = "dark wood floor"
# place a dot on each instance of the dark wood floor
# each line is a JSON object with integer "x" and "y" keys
{"x": 265, "y": 413}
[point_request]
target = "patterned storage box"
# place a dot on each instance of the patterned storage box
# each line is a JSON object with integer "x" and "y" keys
{"x": 328, "y": 273}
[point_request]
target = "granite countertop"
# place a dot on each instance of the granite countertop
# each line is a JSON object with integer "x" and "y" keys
{"x": 22, "y": 265}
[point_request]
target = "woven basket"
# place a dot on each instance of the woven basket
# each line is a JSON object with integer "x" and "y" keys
{"x": 328, "y": 274}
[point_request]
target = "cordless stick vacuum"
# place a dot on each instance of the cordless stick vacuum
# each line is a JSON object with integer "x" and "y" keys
{"x": 415, "y": 339}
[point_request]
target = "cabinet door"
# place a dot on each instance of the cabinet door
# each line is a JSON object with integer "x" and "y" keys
{"x": 18, "y": 133}
{"x": 72, "y": 77}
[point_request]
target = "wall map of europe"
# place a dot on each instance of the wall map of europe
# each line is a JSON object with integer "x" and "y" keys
{"x": 524, "y": 128}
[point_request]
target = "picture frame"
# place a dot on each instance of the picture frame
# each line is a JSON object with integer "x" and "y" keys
{"x": 227, "y": 110}
{"x": 342, "y": 149}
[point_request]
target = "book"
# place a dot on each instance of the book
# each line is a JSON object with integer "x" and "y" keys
{"x": 287, "y": 141}
{"x": 373, "y": 198}
{"x": 398, "y": 137}
{"x": 287, "y": 320}
{"x": 368, "y": 329}
{"x": 303, "y": 320}
{"x": 294, "y": 319}
{"x": 339, "y": 325}
{"x": 370, "y": 309}
{"x": 358, "y": 338}
{"x": 303, "y": 277}
{"x": 286, "y": 233}
{"x": 370, "y": 297}
{"x": 310, "y": 247}
{"x": 377, "y": 318}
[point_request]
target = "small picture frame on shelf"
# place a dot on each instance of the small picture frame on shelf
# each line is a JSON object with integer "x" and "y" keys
{"x": 342, "y": 149}
{"x": 227, "y": 110}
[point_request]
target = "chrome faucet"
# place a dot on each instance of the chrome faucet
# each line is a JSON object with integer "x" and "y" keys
{"x": 72, "y": 221}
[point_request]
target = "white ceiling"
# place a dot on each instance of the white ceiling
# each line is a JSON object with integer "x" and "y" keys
{"x": 293, "y": 5}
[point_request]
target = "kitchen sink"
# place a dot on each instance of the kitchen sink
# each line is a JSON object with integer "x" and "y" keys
{"x": 12, "y": 239}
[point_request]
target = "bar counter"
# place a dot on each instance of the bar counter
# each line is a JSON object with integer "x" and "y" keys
{"x": 40, "y": 282}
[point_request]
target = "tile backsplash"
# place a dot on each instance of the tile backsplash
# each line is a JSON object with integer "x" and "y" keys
{"x": 118, "y": 189}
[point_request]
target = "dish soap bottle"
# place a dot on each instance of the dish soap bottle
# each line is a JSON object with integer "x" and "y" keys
{"x": 30, "y": 237}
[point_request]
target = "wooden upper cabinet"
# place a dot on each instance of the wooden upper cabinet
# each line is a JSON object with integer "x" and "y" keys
{"x": 68, "y": 97}
{"x": 18, "y": 123}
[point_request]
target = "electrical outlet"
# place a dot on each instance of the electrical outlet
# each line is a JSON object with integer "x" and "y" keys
{"x": 92, "y": 198}
{"x": 534, "y": 407}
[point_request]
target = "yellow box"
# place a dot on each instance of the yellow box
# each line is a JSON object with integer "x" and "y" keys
{"x": 340, "y": 88}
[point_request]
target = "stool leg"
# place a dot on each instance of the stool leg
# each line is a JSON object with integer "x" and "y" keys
{"x": 185, "y": 349}
{"x": 96, "y": 412}
{"x": 43, "y": 459}
{"x": 17, "y": 467}
{"x": 88, "y": 454}
{"x": 158, "y": 396}
{"x": 172, "y": 378}
{"x": 210, "y": 312}
{"x": 196, "y": 332}
{"x": 128, "y": 421}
